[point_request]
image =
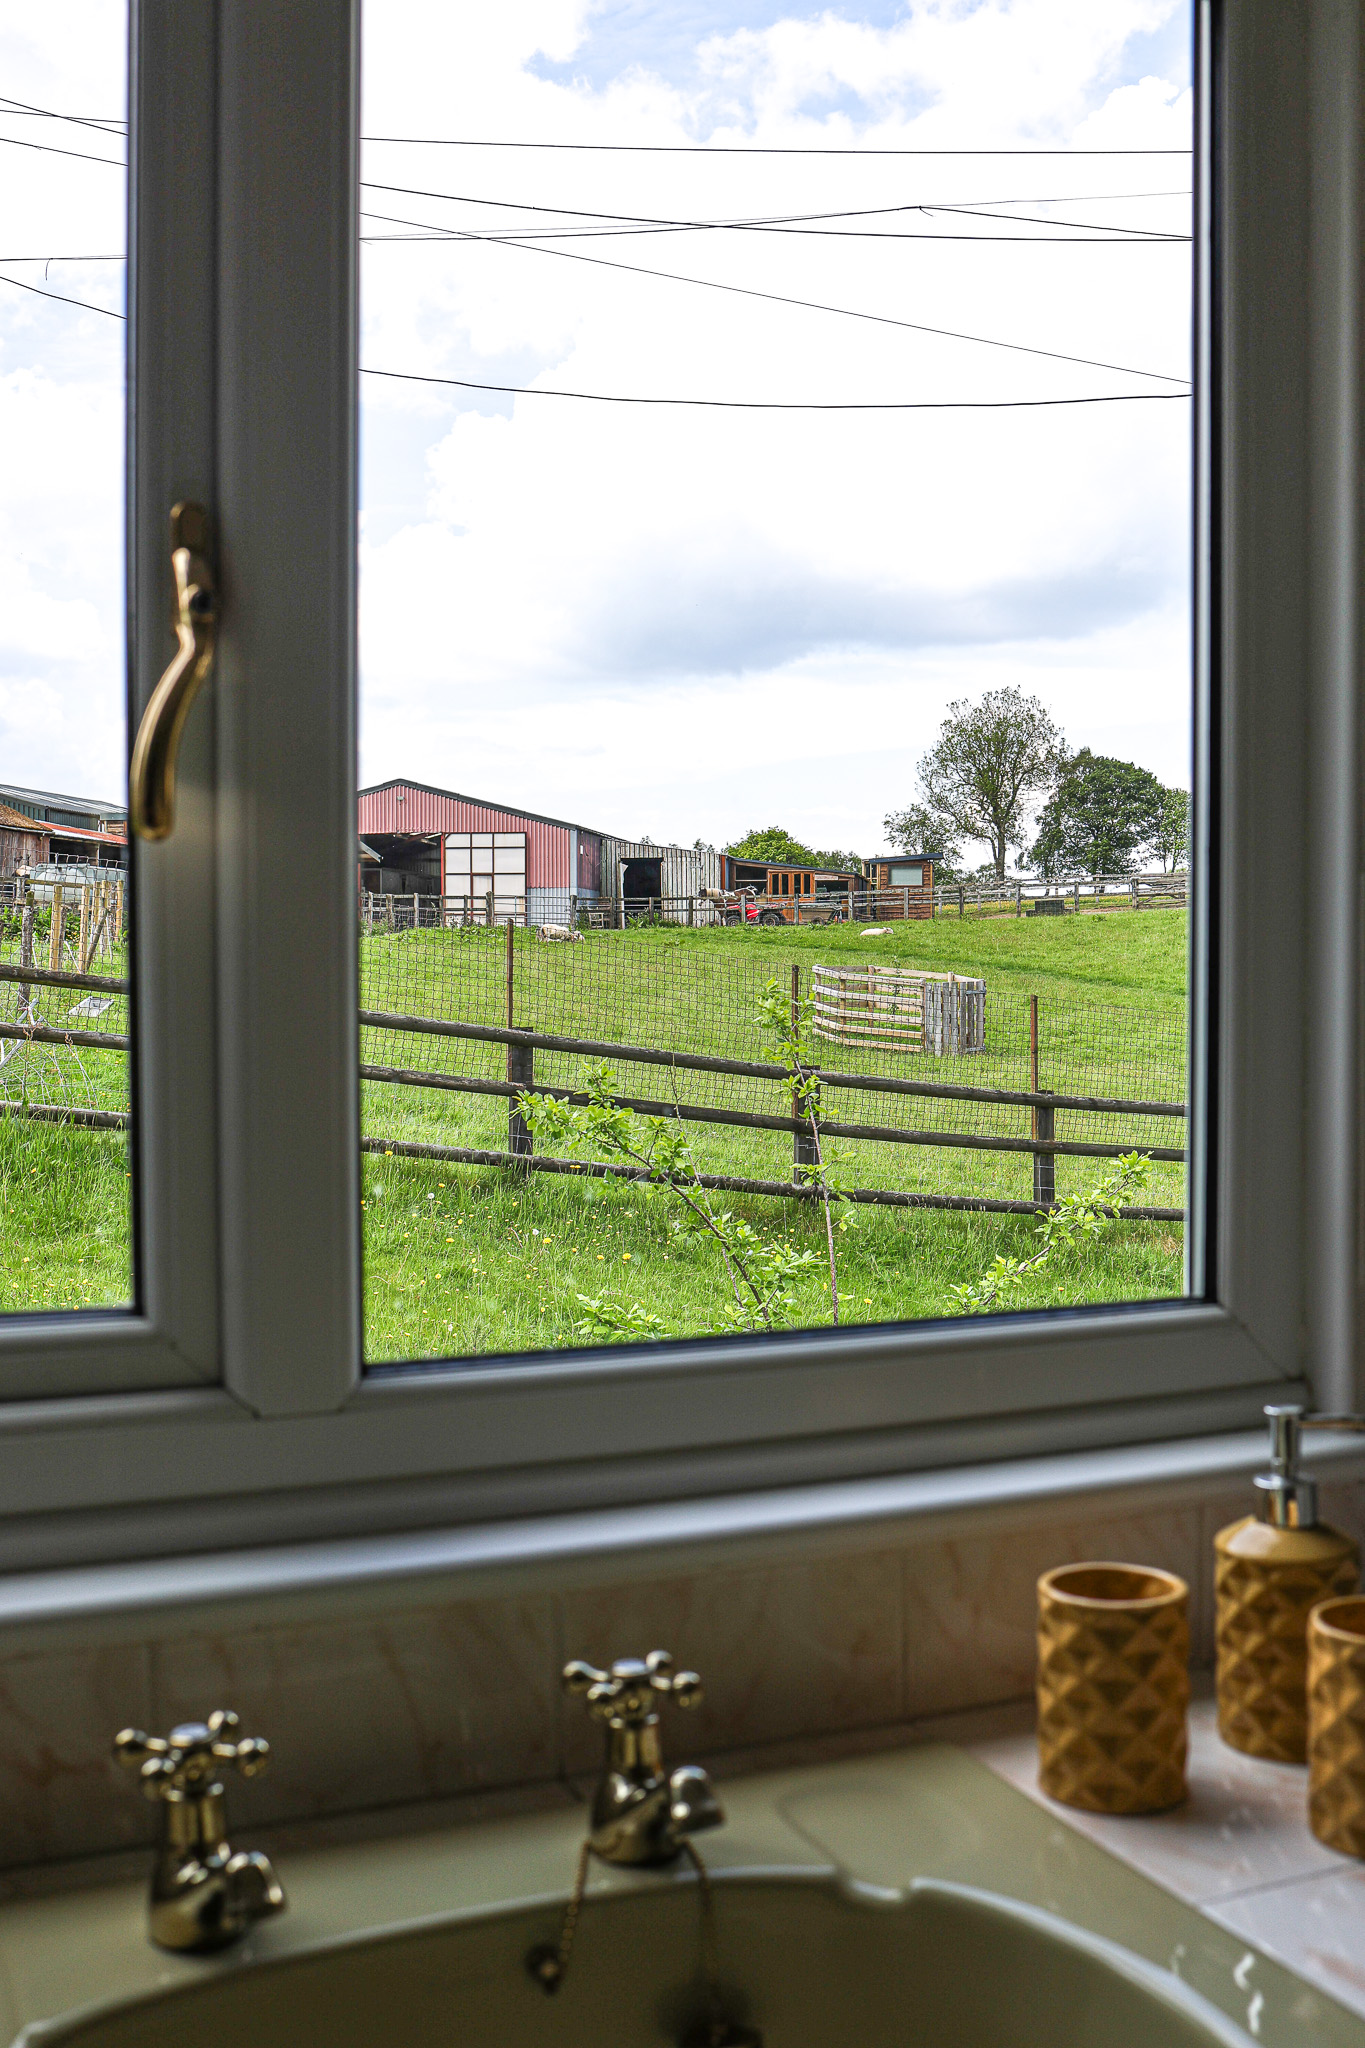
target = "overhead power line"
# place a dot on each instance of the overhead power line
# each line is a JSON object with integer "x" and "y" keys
{"x": 114, "y": 123}
{"x": 745, "y": 149}
{"x": 117, "y": 123}
{"x": 723, "y": 404}
{"x": 51, "y": 149}
{"x": 814, "y": 305}
{"x": 770, "y": 221}
{"x": 788, "y": 405}
{"x": 61, "y": 297}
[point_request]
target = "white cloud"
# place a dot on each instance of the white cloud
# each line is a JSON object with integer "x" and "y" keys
{"x": 665, "y": 619}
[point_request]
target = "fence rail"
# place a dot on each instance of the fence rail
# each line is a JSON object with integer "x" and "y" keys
{"x": 1038, "y": 1140}
{"x": 982, "y": 896}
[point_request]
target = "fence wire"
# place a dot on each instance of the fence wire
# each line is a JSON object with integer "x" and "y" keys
{"x": 681, "y": 995}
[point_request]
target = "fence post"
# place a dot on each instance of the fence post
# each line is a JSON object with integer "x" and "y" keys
{"x": 1044, "y": 1121}
{"x": 1018, "y": 899}
{"x": 26, "y": 943}
{"x": 573, "y": 913}
{"x": 1075, "y": 899}
{"x": 961, "y": 901}
{"x": 521, "y": 1061}
{"x": 803, "y": 1140}
{"x": 54, "y": 950}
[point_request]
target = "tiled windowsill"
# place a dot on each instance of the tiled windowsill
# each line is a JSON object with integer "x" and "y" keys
{"x": 1239, "y": 1849}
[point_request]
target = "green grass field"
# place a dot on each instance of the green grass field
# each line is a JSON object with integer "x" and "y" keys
{"x": 464, "y": 1261}
{"x": 471, "y": 1260}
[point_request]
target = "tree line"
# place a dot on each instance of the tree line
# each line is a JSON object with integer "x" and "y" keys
{"x": 998, "y": 760}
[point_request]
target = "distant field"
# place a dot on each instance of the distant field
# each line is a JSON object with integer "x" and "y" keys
{"x": 465, "y": 1260}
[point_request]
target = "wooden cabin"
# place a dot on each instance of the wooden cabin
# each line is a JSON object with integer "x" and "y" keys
{"x": 786, "y": 894}
{"x": 904, "y": 885}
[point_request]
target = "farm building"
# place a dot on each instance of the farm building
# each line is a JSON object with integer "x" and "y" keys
{"x": 904, "y": 883}
{"x": 438, "y": 842}
{"x": 42, "y": 830}
{"x": 666, "y": 877}
{"x": 485, "y": 859}
{"x": 789, "y": 894}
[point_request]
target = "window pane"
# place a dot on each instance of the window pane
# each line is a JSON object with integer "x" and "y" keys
{"x": 65, "y": 911}
{"x": 793, "y": 412}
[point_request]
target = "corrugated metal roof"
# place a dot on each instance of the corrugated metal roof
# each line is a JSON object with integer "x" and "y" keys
{"x": 96, "y": 806}
{"x": 76, "y": 832}
{"x": 481, "y": 803}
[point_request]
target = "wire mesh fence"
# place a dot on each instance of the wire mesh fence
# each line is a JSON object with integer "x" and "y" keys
{"x": 636, "y": 991}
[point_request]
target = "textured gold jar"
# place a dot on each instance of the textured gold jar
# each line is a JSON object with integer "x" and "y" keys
{"x": 1336, "y": 1724}
{"x": 1267, "y": 1580}
{"x": 1113, "y": 1687}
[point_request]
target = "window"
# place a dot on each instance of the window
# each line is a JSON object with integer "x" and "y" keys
{"x": 229, "y": 1403}
{"x": 905, "y": 876}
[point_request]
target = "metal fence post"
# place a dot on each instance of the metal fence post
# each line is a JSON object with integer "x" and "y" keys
{"x": 803, "y": 1138}
{"x": 521, "y": 1061}
{"x": 1044, "y": 1121}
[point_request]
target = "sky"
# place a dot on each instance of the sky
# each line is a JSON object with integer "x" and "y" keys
{"x": 680, "y": 621}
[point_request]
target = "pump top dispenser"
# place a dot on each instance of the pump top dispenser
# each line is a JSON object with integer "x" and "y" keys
{"x": 1270, "y": 1571}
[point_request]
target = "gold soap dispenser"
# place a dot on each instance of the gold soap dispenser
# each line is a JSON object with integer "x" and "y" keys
{"x": 1270, "y": 1570}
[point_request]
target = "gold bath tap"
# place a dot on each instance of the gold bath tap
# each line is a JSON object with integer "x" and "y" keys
{"x": 640, "y": 1813}
{"x": 204, "y": 1893}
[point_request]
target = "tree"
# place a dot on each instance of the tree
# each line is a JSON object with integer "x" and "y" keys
{"x": 1099, "y": 816}
{"x": 773, "y": 843}
{"x": 1171, "y": 842}
{"x": 989, "y": 759}
{"x": 917, "y": 829}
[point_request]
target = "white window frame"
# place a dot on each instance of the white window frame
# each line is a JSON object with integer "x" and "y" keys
{"x": 232, "y": 1407}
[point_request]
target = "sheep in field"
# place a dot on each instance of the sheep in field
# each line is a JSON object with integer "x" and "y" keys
{"x": 560, "y": 932}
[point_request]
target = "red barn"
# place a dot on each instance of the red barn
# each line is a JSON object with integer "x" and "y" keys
{"x": 436, "y": 842}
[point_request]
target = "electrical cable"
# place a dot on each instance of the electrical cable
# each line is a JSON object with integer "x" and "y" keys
{"x": 51, "y": 149}
{"x": 816, "y": 306}
{"x": 774, "y": 221}
{"x": 110, "y": 124}
{"x": 61, "y": 297}
{"x": 723, "y": 404}
{"x": 788, "y": 405}
{"x": 854, "y": 213}
{"x": 746, "y": 149}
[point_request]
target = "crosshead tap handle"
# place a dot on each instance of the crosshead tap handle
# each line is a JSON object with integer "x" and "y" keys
{"x": 629, "y": 1694}
{"x": 192, "y": 1757}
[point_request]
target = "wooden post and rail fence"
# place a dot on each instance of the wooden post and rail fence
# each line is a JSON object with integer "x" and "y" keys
{"x": 1041, "y": 1143}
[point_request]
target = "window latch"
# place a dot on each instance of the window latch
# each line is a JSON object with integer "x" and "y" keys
{"x": 151, "y": 775}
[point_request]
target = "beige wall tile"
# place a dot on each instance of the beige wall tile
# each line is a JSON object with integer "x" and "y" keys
{"x": 61, "y": 1792}
{"x": 971, "y": 1606}
{"x": 783, "y": 1651}
{"x": 369, "y": 1712}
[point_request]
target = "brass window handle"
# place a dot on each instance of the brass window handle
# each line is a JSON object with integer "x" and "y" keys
{"x": 151, "y": 774}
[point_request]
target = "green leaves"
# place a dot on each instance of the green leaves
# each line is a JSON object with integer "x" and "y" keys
{"x": 1077, "y": 1217}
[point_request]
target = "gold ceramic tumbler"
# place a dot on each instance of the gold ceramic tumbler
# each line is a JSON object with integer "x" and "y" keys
{"x": 1336, "y": 1723}
{"x": 1113, "y": 1687}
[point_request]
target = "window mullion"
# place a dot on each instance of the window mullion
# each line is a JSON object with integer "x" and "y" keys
{"x": 286, "y": 695}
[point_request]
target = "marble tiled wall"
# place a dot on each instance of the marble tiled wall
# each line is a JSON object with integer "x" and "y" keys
{"x": 419, "y": 1703}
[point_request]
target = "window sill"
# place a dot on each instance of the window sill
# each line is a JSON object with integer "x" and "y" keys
{"x": 172, "y": 1596}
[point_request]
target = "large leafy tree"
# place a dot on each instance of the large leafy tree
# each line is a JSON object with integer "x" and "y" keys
{"x": 917, "y": 829}
{"x": 1171, "y": 842}
{"x": 990, "y": 760}
{"x": 775, "y": 844}
{"x": 1100, "y": 816}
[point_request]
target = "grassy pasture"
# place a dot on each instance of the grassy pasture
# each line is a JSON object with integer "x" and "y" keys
{"x": 470, "y": 1261}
